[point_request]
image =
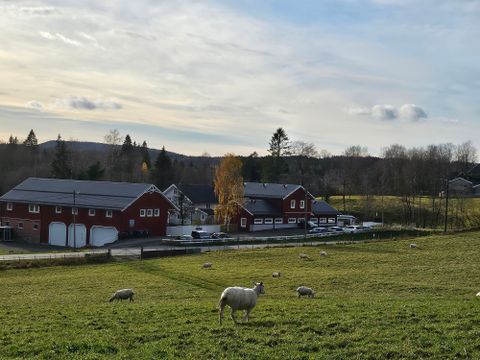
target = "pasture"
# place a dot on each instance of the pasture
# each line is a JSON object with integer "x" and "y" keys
{"x": 376, "y": 300}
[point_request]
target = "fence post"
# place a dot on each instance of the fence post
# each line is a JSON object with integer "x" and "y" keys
{"x": 141, "y": 253}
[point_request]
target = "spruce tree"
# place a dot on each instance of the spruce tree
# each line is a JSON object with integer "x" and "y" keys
{"x": 61, "y": 162}
{"x": 162, "y": 171}
{"x": 31, "y": 139}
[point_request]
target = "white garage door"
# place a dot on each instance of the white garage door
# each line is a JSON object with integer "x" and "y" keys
{"x": 57, "y": 234}
{"x": 101, "y": 235}
{"x": 80, "y": 236}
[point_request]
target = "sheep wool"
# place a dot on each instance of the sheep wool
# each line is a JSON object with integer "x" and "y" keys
{"x": 240, "y": 298}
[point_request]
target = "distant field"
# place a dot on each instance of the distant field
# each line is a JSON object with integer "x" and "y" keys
{"x": 427, "y": 211}
{"x": 377, "y": 300}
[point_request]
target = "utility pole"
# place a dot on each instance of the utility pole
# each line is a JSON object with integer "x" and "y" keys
{"x": 305, "y": 217}
{"x": 446, "y": 206}
{"x": 74, "y": 221}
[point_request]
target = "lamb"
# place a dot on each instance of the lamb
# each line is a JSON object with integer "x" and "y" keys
{"x": 413, "y": 246}
{"x": 207, "y": 265}
{"x": 240, "y": 298}
{"x": 122, "y": 295}
{"x": 304, "y": 256}
{"x": 323, "y": 253}
{"x": 305, "y": 291}
{"x": 276, "y": 274}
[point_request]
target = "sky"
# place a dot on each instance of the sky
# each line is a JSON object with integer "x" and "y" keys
{"x": 220, "y": 76}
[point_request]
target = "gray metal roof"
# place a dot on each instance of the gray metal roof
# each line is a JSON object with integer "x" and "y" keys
{"x": 198, "y": 193}
{"x": 91, "y": 194}
{"x": 261, "y": 207}
{"x": 268, "y": 190}
{"x": 321, "y": 207}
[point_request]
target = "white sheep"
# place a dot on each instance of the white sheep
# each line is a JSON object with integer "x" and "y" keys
{"x": 413, "y": 246}
{"x": 240, "y": 298}
{"x": 304, "y": 256}
{"x": 323, "y": 253}
{"x": 478, "y": 294}
{"x": 122, "y": 295}
{"x": 276, "y": 274}
{"x": 207, "y": 265}
{"x": 305, "y": 291}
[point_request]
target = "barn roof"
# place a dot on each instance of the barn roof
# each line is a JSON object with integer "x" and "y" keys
{"x": 269, "y": 190}
{"x": 91, "y": 194}
{"x": 198, "y": 193}
{"x": 322, "y": 207}
{"x": 261, "y": 207}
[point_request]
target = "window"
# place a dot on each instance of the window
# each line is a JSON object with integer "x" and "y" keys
{"x": 322, "y": 220}
{"x": 156, "y": 212}
{"x": 292, "y": 204}
{"x": 74, "y": 211}
{"x": 332, "y": 220}
{"x": 109, "y": 213}
{"x": 302, "y": 204}
{"x": 258, "y": 221}
{"x": 9, "y": 206}
{"x": 243, "y": 222}
{"x": 314, "y": 220}
{"x": 35, "y": 226}
{"x": 149, "y": 212}
{"x": 142, "y": 212}
{"x": 268, "y": 221}
{"x": 20, "y": 225}
{"x": 278, "y": 220}
{"x": 292, "y": 220}
{"x": 32, "y": 208}
{"x": 58, "y": 209}
{"x": 91, "y": 212}
{"x": 301, "y": 220}
{"x": 7, "y": 223}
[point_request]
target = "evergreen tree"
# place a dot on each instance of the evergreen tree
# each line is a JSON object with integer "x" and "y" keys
{"x": 31, "y": 139}
{"x": 12, "y": 140}
{"x": 95, "y": 172}
{"x": 251, "y": 171}
{"x": 162, "y": 171}
{"x": 127, "y": 146}
{"x": 276, "y": 164}
{"x": 279, "y": 144}
{"x": 61, "y": 163}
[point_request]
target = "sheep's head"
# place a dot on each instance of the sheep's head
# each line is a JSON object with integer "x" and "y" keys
{"x": 259, "y": 288}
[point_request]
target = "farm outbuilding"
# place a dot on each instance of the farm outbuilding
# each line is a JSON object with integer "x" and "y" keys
{"x": 78, "y": 213}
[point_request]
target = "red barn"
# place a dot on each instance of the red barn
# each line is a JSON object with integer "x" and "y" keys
{"x": 79, "y": 213}
{"x": 280, "y": 206}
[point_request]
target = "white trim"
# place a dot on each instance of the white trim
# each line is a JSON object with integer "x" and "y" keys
{"x": 278, "y": 220}
{"x": 91, "y": 212}
{"x": 33, "y": 208}
{"x": 293, "y": 204}
{"x": 156, "y": 212}
{"x": 10, "y": 206}
{"x": 149, "y": 212}
{"x": 292, "y": 220}
{"x": 243, "y": 222}
{"x": 258, "y": 221}
{"x": 58, "y": 209}
{"x": 302, "y": 204}
{"x": 109, "y": 213}
{"x": 244, "y": 208}
{"x": 268, "y": 221}
{"x": 74, "y": 210}
{"x": 322, "y": 220}
{"x": 151, "y": 190}
{"x": 291, "y": 192}
{"x": 143, "y": 213}
{"x": 332, "y": 222}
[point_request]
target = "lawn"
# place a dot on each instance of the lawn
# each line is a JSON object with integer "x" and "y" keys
{"x": 376, "y": 300}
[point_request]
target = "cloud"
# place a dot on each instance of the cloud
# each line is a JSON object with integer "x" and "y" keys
{"x": 412, "y": 112}
{"x": 33, "y": 104}
{"x": 38, "y": 10}
{"x": 409, "y": 112}
{"x": 58, "y": 36}
{"x": 83, "y": 103}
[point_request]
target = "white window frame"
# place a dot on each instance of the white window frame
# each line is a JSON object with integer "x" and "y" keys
{"x": 74, "y": 211}
{"x": 322, "y": 220}
{"x": 58, "y": 209}
{"x": 332, "y": 220}
{"x": 243, "y": 222}
{"x": 302, "y": 204}
{"x": 292, "y": 220}
{"x": 258, "y": 221}
{"x": 33, "y": 208}
{"x": 109, "y": 213}
{"x": 299, "y": 220}
{"x": 20, "y": 226}
{"x": 149, "y": 212}
{"x": 156, "y": 212}
{"x": 278, "y": 220}
{"x": 143, "y": 212}
{"x": 91, "y": 212}
{"x": 292, "y": 204}
{"x": 268, "y": 221}
{"x": 37, "y": 226}
{"x": 9, "y": 206}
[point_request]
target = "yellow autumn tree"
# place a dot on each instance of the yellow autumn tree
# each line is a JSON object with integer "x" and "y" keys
{"x": 228, "y": 185}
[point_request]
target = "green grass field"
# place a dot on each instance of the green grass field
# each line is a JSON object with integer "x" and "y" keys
{"x": 376, "y": 300}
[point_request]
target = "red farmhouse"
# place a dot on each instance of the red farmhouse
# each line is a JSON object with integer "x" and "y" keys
{"x": 279, "y": 206}
{"x": 78, "y": 213}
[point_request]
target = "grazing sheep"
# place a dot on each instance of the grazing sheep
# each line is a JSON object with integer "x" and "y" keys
{"x": 304, "y": 256}
{"x": 413, "y": 246}
{"x": 240, "y": 298}
{"x": 122, "y": 295}
{"x": 323, "y": 253}
{"x": 305, "y": 291}
{"x": 207, "y": 265}
{"x": 478, "y": 294}
{"x": 276, "y": 274}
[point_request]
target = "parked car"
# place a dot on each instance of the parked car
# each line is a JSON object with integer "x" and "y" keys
{"x": 310, "y": 224}
{"x": 200, "y": 234}
{"x": 336, "y": 229}
{"x": 355, "y": 228}
{"x": 319, "y": 230}
{"x": 185, "y": 237}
